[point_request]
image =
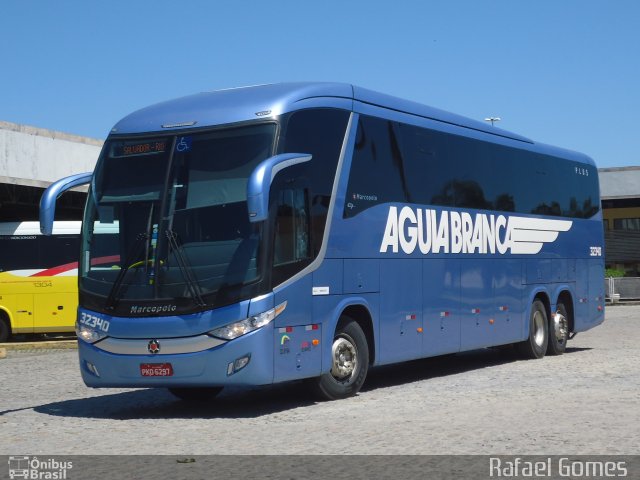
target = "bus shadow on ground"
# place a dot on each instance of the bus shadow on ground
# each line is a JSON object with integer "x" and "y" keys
{"x": 441, "y": 366}
{"x": 252, "y": 402}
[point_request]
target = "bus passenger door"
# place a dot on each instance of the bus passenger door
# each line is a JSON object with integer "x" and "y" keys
{"x": 440, "y": 300}
{"x": 297, "y": 355}
{"x": 400, "y": 310}
{"x": 23, "y": 313}
{"x": 55, "y": 312}
{"x": 56, "y": 296}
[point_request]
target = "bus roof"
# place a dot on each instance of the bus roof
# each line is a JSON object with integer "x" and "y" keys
{"x": 262, "y": 101}
{"x": 248, "y": 103}
{"x": 33, "y": 228}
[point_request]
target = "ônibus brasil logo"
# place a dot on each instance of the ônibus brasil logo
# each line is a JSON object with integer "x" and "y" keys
{"x": 460, "y": 232}
{"x": 35, "y": 468}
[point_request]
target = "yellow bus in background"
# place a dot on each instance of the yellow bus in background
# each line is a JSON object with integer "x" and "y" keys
{"x": 38, "y": 278}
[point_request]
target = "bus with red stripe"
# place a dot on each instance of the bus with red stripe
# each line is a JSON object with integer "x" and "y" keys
{"x": 38, "y": 278}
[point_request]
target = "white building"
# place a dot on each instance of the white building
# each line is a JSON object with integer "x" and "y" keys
{"x": 31, "y": 159}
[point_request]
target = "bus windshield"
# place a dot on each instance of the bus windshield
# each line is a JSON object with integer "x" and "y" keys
{"x": 167, "y": 218}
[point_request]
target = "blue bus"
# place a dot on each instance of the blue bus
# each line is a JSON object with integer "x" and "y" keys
{"x": 312, "y": 230}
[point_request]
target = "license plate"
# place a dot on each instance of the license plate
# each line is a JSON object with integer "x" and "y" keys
{"x": 156, "y": 369}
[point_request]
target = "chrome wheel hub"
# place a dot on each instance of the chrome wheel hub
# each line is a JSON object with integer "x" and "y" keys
{"x": 560, "y": 327}
{"x": 345, "y": 358}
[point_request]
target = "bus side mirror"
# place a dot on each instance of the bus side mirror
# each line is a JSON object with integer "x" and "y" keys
{"x": 51, "y": 194}
{"x": 259, "y": 183}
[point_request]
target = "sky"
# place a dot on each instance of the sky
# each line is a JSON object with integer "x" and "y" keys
{"x": 563, "y": 72}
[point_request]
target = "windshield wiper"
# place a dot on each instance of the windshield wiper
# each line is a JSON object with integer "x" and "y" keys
{"x": 185, "y": 269}
{"x": 135, "y": 252}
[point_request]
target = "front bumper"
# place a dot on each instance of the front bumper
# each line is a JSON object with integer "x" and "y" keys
{"x": 208, "y": 367}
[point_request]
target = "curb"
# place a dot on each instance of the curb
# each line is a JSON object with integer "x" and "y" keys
{"x": 46, "y": 345}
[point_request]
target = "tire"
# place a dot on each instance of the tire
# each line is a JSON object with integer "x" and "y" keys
{"x": 350, "y": 363}
{"x": 5, "y": 330}
{"x": 558, "y": 331}
{"x": 196, "y": 394}
{"x": 536, "y": 345}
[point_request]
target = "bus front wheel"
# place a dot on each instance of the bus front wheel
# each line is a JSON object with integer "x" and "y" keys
{"x": 536, "y": 345}
{"x": 349, "y": 362}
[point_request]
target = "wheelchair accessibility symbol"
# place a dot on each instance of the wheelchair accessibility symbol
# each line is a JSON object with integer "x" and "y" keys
{"x": 183, "y": 144}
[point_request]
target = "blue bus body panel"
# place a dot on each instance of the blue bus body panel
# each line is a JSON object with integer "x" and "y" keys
{"x": 296, "y": 356}
{"x": 441, "y": 300}
{"x": 400, "y": 310}
{"x": 471, "y": 300}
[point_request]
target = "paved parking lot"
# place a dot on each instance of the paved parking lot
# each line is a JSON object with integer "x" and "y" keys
{"x": 483, "y": 402}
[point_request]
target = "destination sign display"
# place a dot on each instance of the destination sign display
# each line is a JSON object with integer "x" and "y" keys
{"x": 139, "y": 148}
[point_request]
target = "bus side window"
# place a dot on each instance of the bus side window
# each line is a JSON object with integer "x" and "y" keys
{"x": 377, "y": 170}
{"x": 19, "y": 253}
{"x": 291, "y": 244}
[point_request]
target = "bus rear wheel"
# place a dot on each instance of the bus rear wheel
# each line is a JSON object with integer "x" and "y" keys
{"x": 349, "y": 363}
{"x": 196, "y": 394}
{"x": 536, "y": 345}
{"x": 558, "y": 331}
{"x": 5, "y": 329}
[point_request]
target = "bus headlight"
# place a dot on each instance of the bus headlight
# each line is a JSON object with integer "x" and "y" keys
{"x": 87, "y": 334}
{"x": 237, "y": 329}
